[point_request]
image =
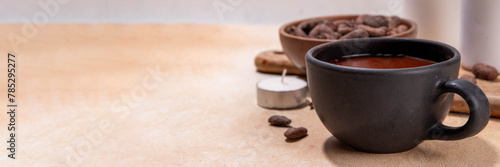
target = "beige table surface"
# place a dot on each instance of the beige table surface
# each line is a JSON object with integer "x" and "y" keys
{"x": 175, "y": 95}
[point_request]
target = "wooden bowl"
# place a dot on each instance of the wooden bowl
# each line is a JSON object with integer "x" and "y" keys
{"x": 296, "y": 47}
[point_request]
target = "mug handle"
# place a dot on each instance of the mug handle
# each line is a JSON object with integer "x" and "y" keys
{"x": 479, "y": 108}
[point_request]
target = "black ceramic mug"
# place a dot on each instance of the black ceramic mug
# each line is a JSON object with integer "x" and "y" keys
{"x": 391, "y": 110}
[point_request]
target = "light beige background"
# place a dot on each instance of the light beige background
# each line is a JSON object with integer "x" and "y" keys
{"x": 163, "y": 11}
{"x": 438, "y": 19}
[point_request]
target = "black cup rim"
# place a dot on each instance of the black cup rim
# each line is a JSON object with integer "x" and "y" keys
{"x": 310, "y": 59}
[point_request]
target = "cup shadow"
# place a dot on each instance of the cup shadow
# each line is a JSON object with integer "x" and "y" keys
{"x": 473, "y": 151}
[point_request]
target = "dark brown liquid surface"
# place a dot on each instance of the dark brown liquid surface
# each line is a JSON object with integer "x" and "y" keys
{"x": 381, "y": 61}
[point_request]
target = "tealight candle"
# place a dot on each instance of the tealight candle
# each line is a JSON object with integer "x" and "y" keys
{"x": 281, "y": 93}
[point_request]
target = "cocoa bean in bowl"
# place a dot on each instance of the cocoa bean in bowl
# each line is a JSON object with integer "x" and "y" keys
{"x": 299, "y": 36}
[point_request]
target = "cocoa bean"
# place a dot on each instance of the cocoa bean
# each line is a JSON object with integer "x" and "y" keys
{"x": 485, "y": 72}
{"x": 394, "y": 21}
{"x": 360, "y": 19}
{"x": 326, "y": 36}
{"x": 358, "y": 33}
{"x": 330, "y": 25}
{"x": 376, "y": 21}
{"x": 299, "y": 32}
{"x": 374, "y": 32}
{"x": 350, "y": 23}
{"x": 290, "y": 30}
{"x": 295, "y": 31}
{"x": 391, "y": 32}
{"x": 344, "y": 28}
{"x": 307, "y": 26}
{"x": 337, "y": 35}
{"x": 278, "y": 120}
{"x": 295, "y": 133}
{"x": 339, "y": 22}
{"x": 402, "y": 28}
{"x": 321, "y": 31}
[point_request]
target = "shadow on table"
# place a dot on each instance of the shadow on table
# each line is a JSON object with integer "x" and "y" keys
{"x": 472, "y": 151}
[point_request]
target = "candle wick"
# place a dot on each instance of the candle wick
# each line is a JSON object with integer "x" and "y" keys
{"x": 283, "y": 76}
